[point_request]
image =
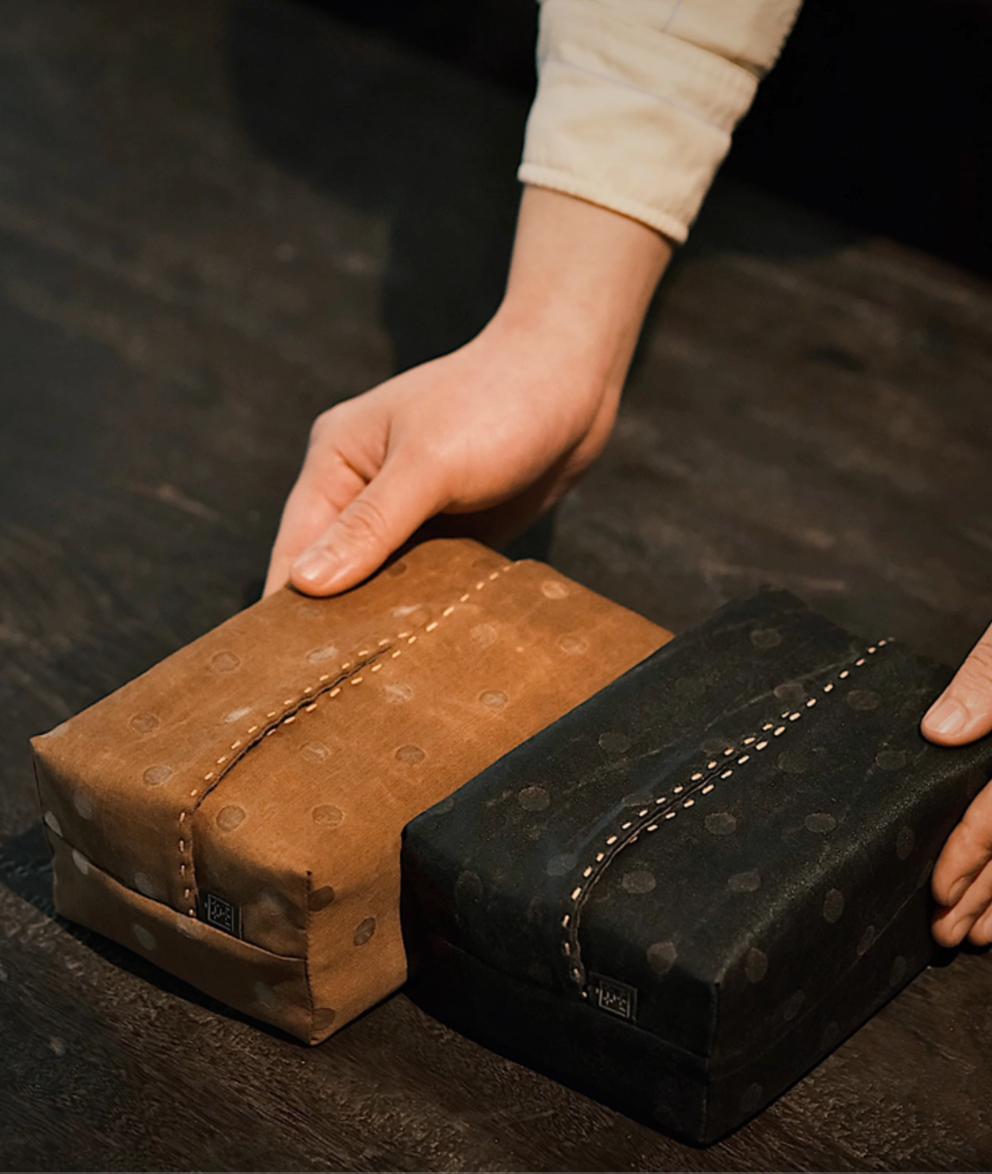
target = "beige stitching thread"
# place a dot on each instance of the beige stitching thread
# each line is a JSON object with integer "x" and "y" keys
{"x": 703, "y": 785}
{"x": 248, "y": 740}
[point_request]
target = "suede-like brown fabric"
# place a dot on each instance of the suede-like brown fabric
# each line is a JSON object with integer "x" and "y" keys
{"x": 274, "y": 762}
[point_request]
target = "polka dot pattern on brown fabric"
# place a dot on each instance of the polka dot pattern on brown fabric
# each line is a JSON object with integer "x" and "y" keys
{"x": 484, "y": 635}
{"x": 573, "y": 645}
{"x": 765, "y": 638}
{"x": 319, "y": 899}
{"x": 315, "y": 752}
{"x": 554, "y": 589}
{"x": 155, "y": 776}
{"x": 230, "y": 817}
{"x": 264, "y": 994}
{"x": 144, "y": 723}
{"x": 224, "y": 662}
{"x": 83, "y": 804}
{"x": 411, "y": 755}
{"x": 493, "y": 699}
{"x": 327, "y": 816}
{"x": 364, "y": 931}
{"x": 145, "y": 937}
{"x": 323, "y": 1019}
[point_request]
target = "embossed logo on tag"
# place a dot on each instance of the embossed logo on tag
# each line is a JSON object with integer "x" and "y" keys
{"x": 613, "y": 996}
{"x": 221, "y": 914}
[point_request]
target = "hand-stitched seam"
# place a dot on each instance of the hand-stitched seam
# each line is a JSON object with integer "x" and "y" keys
{"x": 351, "y": 672}
{"x": 664, "y": 808}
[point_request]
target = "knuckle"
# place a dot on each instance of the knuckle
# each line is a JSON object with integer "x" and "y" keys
{"x": 364, "y": 522}
{"x": 322, "y": 424}
{"x": 979, "y": 664}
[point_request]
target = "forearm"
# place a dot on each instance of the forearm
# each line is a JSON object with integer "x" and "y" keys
{"x": 580, "y": 281}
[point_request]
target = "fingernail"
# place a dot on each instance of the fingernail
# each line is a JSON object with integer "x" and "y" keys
{"x": 314, "y": 564}
{"x": 946, "y": 716}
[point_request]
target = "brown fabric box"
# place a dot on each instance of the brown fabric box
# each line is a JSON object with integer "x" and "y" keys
{"x": 235, "y": 813}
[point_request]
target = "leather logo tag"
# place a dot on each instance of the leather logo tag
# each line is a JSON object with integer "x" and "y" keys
{"x": 617, "y": 998}
{"x": 221, "y": 914}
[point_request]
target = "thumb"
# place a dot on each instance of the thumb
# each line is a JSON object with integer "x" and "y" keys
{"x": 963, "y": 712}
{"x": 399, "y": 499}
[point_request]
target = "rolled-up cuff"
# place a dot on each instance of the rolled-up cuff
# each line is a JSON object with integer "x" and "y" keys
{"x": 631, "y": 116}
{"x": 585, "y": 188}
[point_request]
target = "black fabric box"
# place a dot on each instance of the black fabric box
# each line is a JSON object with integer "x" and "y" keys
{"x": 686, "y": 892}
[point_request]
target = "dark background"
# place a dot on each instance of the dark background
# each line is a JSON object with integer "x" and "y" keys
{"x": 878, "y": 112}
{"x": 217, "y": 218}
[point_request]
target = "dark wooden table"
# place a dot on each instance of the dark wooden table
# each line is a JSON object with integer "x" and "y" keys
{"x": 216, "y": 219}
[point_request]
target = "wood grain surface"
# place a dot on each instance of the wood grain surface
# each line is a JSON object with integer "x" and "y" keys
{"x": 218, "y": 218}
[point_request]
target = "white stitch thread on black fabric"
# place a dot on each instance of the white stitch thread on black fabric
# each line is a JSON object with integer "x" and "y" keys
{"x": 699, "y": 783}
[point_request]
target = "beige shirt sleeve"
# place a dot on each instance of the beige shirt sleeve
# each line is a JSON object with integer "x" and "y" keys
{"x": 637, "y": 99}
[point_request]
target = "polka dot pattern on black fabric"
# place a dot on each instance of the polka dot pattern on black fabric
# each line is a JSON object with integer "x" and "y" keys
{"x": 755, "y": 965}
{"x": 661, "y": 957}
{"x": 833, "y": 906}
{"x": 905, "y": 843}
{"x": 820, "y": 822}
{"x": 614, "y": 742}
{"x": 533, "y": 799}
{"x": 745, "y": 882}
{"x": 638, "y": 881}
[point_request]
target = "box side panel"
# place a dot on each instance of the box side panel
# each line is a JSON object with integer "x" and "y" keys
{"x": 263, "y": 985}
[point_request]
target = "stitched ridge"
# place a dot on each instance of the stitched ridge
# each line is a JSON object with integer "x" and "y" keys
{"x": 663, "y": 809}
{"x": 329, "y": 685}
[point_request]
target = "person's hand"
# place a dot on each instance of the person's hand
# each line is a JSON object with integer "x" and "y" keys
{"x": 504, "y": 421}
{"x": 962, "y": 877}
{"x": 502, "y": 427}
